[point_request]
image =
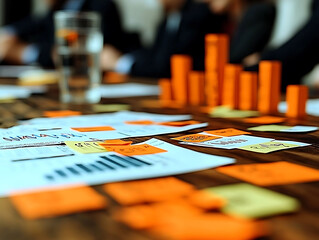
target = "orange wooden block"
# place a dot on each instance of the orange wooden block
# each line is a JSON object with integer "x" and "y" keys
{"x": 269, "y": 86}
{"x": 268, "y": 174}
{"x": 53, "y": 203}
{"x": 197, "y": 88}
{"x": 248, "y": 89}
{"x": 151, "y": 190}
{"x": 230, "y": 96}
{"x": 217, "y": 51}
{"x": 297, "y": 96}
{"x": 181, "y": 66}
{"x": 166, "y": 94}
{"x": 94, "y": 129}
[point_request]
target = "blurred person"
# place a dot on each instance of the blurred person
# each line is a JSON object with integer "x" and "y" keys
{"x": 250, "y": 24}
{"x": 182, "y": 31}
{"x": 32, "y": 40}
{"x": 299, "y": 54}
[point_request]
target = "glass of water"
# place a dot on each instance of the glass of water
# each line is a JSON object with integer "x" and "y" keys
{"x": 79, "y": 43}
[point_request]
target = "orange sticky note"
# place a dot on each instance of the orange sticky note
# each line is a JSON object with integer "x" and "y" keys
{"x": 179, "y": 123}
{"x": 268, "y": 174}
{"x": 181, "y": 65}
{"x": 212, "y": 226}
{"x": 152, "y": 215}
{"x": 195, "y": 138}
{"x": 134, "y": 150}
{"x": 231, "y": 86}
{"x": 197, "y": 88}
{"x": 140, "y": 122}
{"x": 115, "y": 142}
{"x": 297, "y": 97}
{"x": 62, "y": 113}
{"x": 53, "y": 203}
{"x": 94, "y": 129}
{"x": 151, "y": 190}
{"x": 269, "y": 86}
{"x": 206, "y": 200}
{"x": 228, "y": 132}
{"x": 248, "y": 88}
{"x": 265, "y": 120}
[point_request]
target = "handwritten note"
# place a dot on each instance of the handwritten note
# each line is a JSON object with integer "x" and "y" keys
{"x": 228, "y": 132}
{"x": 268, "y": 147}
{"x": 268, "y": 174}
{"x": 134, "y": 150}
{"x": 196, "y": 138}
{"x": 53, "y": 203}
{"x": 94, "y": 129}
{"x": 152, "y": 190}
{"x": 86, "y": 147}
{"x": 265, "y": 120}
{"x": 248, "y": 201}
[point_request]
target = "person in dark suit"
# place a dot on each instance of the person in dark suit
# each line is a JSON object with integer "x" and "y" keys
{"x": 181, "y": 32}
{"x": 299, "y": 54}
{"x": 32, "y": 40}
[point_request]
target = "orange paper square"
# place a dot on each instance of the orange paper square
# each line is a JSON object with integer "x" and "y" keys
{"x": 265, "y": 120}
{"x": 196, "y": 138}
{"x": 53, "y": 203}
{"x": 94, "y": 129}
{"x": 62, "y": 113}
{"x": 151, "y": 190}
{"x": 179, "y": 124}
{"x": 133, "y": 150}
{"x": 115, "y": 142}
{"x": 268, "y": 174}
{"x": 228, "y": 132}
{"x": 140, "y": 122}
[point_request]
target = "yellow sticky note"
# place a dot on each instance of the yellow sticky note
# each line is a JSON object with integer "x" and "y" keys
{"x": 195, "y": 138}
{"x": 248, "y": 201}
{"x": 86, "y": 147}
{"x": 59, "y": 202}
{"x": 269, "y": 128}
{"x": 268, "y": 174}
{"x": 268, "y": 147}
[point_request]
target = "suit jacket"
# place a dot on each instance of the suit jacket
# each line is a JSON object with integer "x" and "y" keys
{"x": 40, "y": 31}
{"x": 196, "y": 22}
{"x": 299, "y": 54}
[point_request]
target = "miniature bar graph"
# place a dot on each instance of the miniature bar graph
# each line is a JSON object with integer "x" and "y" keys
{"x": 217, "y": 48}
{"x": 230, "y": 95}
{"x": 181, "y": 66}
{"x": 269, "y": 87}
{"x": 197, "y": 88}
{"x": 248, "y": 88}
{"x": 297, "y": 96}
{"x": 166, "y": 94}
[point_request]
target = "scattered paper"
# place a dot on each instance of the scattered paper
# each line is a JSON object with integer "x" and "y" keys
{"x": 11, "y": 92}
{"x": 103, "y": 168}
{"x": 129, "y": 90}
{"x": 135, "y": 150}
{"x": 268, "y": 174}
{"x": 268, "y": 147}
{"x": 248, "y": 201}
{"x": 52, "y": 203}
{"x": 195, "y": 138}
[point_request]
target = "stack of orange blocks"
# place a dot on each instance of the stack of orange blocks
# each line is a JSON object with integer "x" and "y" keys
{"x": 227, "y": 84}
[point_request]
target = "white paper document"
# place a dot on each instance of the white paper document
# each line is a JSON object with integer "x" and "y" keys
{"x": 231, "y": 142}
{"x": 101, "y": 168}
{"x": 11, "y": 91}
{"x": 128, "y": 90}
{"x": 312, "y": 107}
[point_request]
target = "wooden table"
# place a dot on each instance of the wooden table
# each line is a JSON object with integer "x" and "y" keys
{"x": 99, "y": 225}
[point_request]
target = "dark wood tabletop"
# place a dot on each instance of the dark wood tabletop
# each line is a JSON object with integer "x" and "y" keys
{"x": 301, "y": 225}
